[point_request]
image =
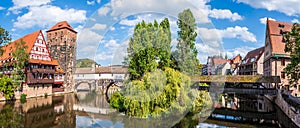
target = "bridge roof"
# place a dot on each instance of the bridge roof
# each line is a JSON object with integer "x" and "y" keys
{"x": 236, "y": 79}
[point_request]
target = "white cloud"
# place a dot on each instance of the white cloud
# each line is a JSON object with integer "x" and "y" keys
{"x": 212, "y": 41}
{"x": 78, "y": 28}
{"x": 19, "y": 4}
{"x": 238, "y": 32}
{"x": 239, "y": 50}
{"x": 205, "y": 50}
{"x": 115, "y": 53}
{"x": 295, "y": 21}
{"x": 111, "y": 28}
{"x": 103, "y": 56}
{"x": 103, "y": 11}
{"x": 129, "y": 22}
{"x": 48, "y": 15}
{"x": 98, "y": 1}
{"x": 88, "y": 37}
{"x": 264, "y": 20}
{"x": 87, "y": 43}
{"x": 224, "y": 14}
{"x": 90, "y": 2}
{"x": 288, "y": 7}
{"x": 99, "y": 26}
{"x": 111, "y": 44}
{"x": 2, "y": 8}
{"x": 130, "y": 7}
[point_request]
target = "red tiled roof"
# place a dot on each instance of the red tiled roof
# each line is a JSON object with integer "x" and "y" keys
{"x": 254, "y": 54}
{"x": 218, "y": 61}
{"x": 60, "y": 25}
{"x": 236, "y": 59}
{"x": 276, "y": 37}
{"x": 112, "y": 69}
{"x": 30, "y": 40}
{"x": 53, "y": 62}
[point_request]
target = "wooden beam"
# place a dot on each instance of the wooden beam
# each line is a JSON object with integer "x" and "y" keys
{"x": 236, "y": 79}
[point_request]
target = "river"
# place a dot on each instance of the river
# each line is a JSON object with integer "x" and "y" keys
{"x": 89, "y": 110}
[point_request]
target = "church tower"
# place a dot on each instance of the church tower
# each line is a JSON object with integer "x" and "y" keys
{"x": 61, "y": 40}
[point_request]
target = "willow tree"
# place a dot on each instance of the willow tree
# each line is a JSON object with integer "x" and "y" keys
{"x": 293, "y": 47}
{"x": 21, "y": 57}
{"x": 186, "y": 52}
{"x": 149, "y": 48}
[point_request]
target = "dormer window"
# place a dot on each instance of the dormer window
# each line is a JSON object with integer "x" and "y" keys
{"x": 282, "y": 32}
{"x": 281, "y": 26}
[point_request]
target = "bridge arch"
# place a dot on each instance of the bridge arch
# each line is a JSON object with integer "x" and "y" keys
{"x": 80, "y": 83}
{"x": 111, "y": 84}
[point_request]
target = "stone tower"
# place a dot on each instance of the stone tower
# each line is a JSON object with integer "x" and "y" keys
{"x": 61, "y": 40}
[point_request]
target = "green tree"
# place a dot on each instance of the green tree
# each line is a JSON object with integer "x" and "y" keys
{"x": 149, "y": 48}
{"x": 22, "y": 56}
{"x": 6, "y": 87}
{"x": 186, "y": 53}
{"x": 4, "y": 38}
{"x": 293, "y": 47}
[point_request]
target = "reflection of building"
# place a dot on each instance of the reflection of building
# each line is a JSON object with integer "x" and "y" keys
{"x": 275, "y": 58}
{"x": 252, "y": 64}
{"x": 61, "y": 40}
{"x": 39, "y": 69}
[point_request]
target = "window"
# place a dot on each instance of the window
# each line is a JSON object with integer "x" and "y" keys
{"x": 36, "y": 49}
{"x": 282, "y": 62}
{"x": 259, "y": 105}
{"x": 298, "y": 88}
{"x": 283, "y": 75}
{"x": 281, "y": 26}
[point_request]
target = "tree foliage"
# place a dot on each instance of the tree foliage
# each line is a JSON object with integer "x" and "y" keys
{"x": 6, "y": 87}
{"x": 156, "y": 88}
{"x": 156, "y": 93}
{"x": 21, "y": 56}
{"x": 149, "y": 48}
{"x": 85, "y": 63}
{"x": 186, "y": 53}
{"x": 4, "y": 38}
{"x": 293, "y": 47}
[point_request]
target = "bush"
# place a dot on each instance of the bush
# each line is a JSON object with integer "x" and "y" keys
{"x": 23, "y": 98}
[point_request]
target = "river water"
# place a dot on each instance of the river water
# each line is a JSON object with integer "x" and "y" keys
{"x": 89, "y": 110}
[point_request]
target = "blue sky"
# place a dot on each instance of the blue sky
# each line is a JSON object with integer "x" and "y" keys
{"x": 104, "y": 26}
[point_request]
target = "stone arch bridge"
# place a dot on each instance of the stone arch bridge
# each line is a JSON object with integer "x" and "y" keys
{"x": 100, "y": 85}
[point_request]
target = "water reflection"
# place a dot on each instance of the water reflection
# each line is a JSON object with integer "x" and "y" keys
{"x": 90, "y": 109}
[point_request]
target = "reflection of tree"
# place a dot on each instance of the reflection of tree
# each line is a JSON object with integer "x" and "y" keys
{"x": 9, "y": 118}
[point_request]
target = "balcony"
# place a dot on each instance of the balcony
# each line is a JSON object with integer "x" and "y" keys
{"x": 40, "y": 81}
{"x": 57, "y": 90}
{"x": 41, "y": 70}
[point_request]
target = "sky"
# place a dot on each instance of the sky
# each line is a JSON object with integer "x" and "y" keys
{"x": 227, "y": 27}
